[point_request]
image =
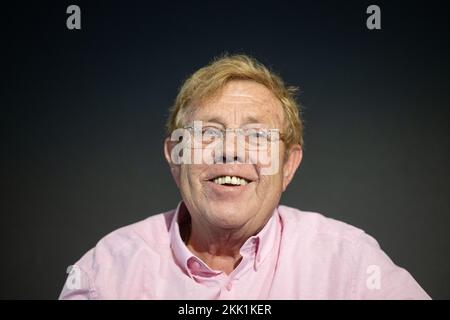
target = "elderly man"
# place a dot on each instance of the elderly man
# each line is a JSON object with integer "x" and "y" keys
{"x": 234, "y": 143}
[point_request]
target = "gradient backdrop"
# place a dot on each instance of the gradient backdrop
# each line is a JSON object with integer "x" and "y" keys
{"x": 83, "y": 112}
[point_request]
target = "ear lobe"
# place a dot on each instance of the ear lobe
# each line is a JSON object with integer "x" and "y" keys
{"x": 168, "y": 150}
{"x": 294, "y": 158}
{"x": 174, "y": 168}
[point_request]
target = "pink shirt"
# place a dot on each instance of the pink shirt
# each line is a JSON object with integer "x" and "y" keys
{"x": 297, "y": 255}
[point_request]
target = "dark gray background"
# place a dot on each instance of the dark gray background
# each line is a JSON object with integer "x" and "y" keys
{"x": 82, "y": 118}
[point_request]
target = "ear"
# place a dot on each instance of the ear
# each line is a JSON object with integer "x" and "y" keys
{"x": 291, "y": 164}
{"x": 174, "y": 168}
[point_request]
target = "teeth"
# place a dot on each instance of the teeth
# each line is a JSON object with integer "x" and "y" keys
{"x": 231, "y": 180}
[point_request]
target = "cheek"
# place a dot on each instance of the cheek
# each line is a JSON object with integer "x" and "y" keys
{"x": 185, "y": 179}
{"x": 189, "y": 179}
{"x": 270, "y": 184}
{"x": 268, "y": 160}
{"x": 272, "y": 168}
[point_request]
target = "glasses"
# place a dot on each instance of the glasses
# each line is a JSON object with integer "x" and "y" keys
{"x": 252, "y": 137}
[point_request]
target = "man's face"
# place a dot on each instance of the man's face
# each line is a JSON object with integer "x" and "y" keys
{"x": 241, "y": 104}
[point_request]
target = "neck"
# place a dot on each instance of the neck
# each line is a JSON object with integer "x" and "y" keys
{"x": 218, "y": 248}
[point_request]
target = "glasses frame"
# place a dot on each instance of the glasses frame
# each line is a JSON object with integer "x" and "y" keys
{"x": 224, "y": 131}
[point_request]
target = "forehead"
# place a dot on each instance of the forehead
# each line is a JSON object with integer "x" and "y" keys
{"x": 240, "y": 102}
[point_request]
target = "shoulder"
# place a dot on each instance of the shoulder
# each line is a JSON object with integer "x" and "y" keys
{"x": 149, "y": 235}
{"x": 152, "y": 231}
{"x": 340, "y": 251}
{"x": 118, "y": 259}
{"x": 314, "y": 226}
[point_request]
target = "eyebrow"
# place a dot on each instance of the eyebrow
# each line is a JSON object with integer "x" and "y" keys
{"x": 221, "y": 121}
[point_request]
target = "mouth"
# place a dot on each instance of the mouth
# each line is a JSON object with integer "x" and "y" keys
{"x": 231, "y": 181}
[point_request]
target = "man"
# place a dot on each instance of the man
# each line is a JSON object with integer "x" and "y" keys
{"x": 233, "y": 146}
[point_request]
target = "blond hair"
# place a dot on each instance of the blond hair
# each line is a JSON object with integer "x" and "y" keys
{"x": 210, "y": 79}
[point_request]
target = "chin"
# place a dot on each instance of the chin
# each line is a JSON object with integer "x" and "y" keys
{"x": 229, "y": 218}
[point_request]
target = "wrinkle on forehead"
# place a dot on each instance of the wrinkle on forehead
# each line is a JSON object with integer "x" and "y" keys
{"x": 246, "y": 90}
{"x": 239, "y": 100}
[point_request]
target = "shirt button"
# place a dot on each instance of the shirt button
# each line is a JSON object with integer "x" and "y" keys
{"x": 229, "y": 286}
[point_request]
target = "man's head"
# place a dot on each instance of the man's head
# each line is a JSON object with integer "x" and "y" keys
{"x": 236, "y": 92}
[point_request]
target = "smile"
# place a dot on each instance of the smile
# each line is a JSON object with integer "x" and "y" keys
{"x": 230, "y": 180}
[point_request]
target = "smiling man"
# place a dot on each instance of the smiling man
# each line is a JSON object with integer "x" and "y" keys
{"x": 234, "y": 143}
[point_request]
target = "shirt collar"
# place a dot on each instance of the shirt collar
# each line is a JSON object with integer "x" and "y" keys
{"x": 257, "y": 247}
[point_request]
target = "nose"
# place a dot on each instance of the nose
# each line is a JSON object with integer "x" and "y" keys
{"x": 230, "y": 159}
{"x": 232, "y": 152}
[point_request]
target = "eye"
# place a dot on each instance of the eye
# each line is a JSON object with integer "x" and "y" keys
{"x": 210, "y": 133}
{"x": 257, "y": 134}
